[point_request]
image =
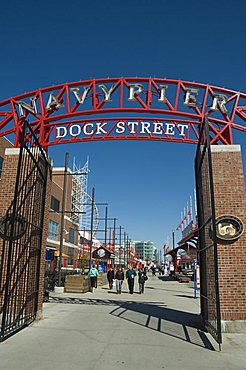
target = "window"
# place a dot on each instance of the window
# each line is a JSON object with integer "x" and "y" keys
{"x": 71, "y": 235}
{"x": 53, "y": 230}
{"x": 1, "y": 166}
{"x": 70, "y": 261}
{"x": 54, "y": 204}
{"x": 70, "y": 251}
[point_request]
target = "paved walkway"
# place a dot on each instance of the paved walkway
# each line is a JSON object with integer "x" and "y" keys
{"x": 156, "y": 330}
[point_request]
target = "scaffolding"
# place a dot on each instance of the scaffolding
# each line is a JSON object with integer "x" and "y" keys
{"x": 81, "y": 200}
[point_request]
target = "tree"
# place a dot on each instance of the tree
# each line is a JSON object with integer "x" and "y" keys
{"x": 83, "y": 262}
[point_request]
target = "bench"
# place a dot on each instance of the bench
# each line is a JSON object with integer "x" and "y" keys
{"x": 184, "y": 279}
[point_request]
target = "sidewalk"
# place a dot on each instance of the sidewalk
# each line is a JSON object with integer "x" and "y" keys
{"x": 103, "y": 330}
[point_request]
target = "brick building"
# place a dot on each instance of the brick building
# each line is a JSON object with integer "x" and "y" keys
{"x": 70, "y": 247}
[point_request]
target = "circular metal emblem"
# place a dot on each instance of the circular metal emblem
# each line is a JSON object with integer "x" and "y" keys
{"x": 228, "y": 228}
{"x": 19, "y": 229}
{"x": 101, "y": 253}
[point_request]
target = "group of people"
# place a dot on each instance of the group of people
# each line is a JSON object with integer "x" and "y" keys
{"x": 119, "y": 276}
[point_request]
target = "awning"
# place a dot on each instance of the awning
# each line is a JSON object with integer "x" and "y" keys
{"x": 57, "y": 254}
{"x": 51, "y": 248}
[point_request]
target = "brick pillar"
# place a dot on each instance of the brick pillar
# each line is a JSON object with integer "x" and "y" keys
{"x": 43, "y": 251}
{"x": 230, "y": 199}
{"x": 7, "y": 188}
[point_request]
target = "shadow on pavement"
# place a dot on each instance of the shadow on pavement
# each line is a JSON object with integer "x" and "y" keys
{"x": 184, "y": 296}
{"x": 152, "y": 315}
{"x": 166, "y": 278}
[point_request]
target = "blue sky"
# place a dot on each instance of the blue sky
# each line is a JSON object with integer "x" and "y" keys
{"x": 146, "y": 184}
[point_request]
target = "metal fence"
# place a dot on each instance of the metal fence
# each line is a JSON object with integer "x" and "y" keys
{"x": 21, "y": 238}
{"x": 210, "y": 304}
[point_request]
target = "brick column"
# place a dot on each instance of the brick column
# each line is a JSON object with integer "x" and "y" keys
{"x": 230, "y": 199}
{"x": 43, "y": 250}
{"x": 7, "y": 188}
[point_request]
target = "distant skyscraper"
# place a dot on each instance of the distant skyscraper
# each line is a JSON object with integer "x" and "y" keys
{"x": 145, "y": 250}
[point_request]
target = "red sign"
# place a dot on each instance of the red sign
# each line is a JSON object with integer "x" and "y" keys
{"x": 173, "y": 111}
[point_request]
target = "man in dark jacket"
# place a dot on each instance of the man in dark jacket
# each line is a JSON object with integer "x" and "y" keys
{"x": 119, "y": 277}
{"x": 110, "y": 277}
{"x": 141, "y": 280}
{"x": 130, "y": 275}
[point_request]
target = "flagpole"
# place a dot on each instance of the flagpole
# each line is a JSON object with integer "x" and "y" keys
{"x": 191, "y": 211}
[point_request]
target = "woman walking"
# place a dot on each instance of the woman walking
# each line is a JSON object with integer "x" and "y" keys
{"x": 93, "y": 273}
{"x": 142, "y": 277}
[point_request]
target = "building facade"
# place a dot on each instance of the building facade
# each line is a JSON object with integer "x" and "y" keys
{"x": 70, "y": 244}
{"x": 145, "y": 250}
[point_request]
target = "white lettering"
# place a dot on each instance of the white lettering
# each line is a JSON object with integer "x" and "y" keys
{"x": 133, "y": 92}
{"x": 158, "y": 128}
{"x": 182, "y": 127}
{"x": 100, "y": 129}
{"x": 78, "y": 129}
{"x": 219, "y": 100}
{"x": 132, "y": 127}
{"x": 81, "y": 98}
{"x": 30, "y": 108}
{"x": 145, "y": 128}
{"x": 190, "y": 100}
{"x": 59, "y": 134}
{"x": 120, "y": 127}
{"x": 86, "y": 132}
{"x": 162, "y": 93}
{"x": 169, "y": 128}
{"x": 53, "y": 102}
{"x": 107, "y": 92}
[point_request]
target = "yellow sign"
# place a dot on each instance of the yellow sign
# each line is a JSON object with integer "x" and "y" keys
{"x": 198, "y": 276}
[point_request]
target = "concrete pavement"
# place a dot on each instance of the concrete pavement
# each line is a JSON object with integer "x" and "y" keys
{"x": 103, "y": 330}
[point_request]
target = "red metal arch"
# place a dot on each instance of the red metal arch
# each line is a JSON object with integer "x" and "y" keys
{"x": 125, "y": 109}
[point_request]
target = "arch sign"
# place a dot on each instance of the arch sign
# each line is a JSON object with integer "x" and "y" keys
{"x": 125, "y": 109}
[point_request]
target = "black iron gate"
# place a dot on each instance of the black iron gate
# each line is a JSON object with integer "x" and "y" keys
{"x": 21, "y": 238}
{"x": 210, "y": 304}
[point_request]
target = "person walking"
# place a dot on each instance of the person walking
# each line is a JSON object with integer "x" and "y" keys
{"x": 110, "y": 277}
{"x": 93, "y": 273}
{"x": 119, "y": 276}
{"x": 130, "y": 275}
{"x": 142, "y": 277}
{"x": 172, "y": 269}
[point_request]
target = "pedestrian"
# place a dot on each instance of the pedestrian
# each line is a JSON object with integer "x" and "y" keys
{"x": 130, "y": 275}
{"x": 93, "y": 273}
{"x": 119, "y": 276}
{"x": 171, "y": 269}
{"x": 110, "y": 277}
{"x": 142, "y": 277}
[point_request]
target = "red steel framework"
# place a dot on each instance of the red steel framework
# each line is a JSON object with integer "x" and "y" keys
{"x": 77, "y": 108}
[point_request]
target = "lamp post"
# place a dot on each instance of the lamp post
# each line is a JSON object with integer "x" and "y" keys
{"x": 124, "y": 248}
{"x": 120, "y": 248}
{"x": 127, "y": 252}
{"x": 62, "y": 219}
{"x": 92, "y": 212}
{"x": 114, "y": 238}
{"x": 105, "y": 227}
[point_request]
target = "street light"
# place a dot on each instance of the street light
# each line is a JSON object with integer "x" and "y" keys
{"x": 92, "y": 212}
{"x": 62, "y": 219}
